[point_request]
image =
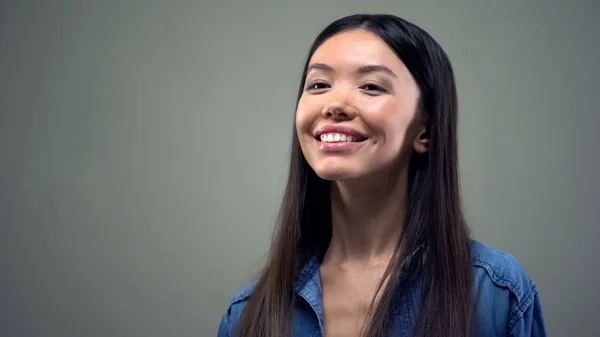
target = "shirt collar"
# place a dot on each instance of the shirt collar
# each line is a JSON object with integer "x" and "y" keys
{"x": 308, "y": 286}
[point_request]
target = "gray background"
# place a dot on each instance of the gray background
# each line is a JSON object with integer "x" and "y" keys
{"x": 143, "y": 149}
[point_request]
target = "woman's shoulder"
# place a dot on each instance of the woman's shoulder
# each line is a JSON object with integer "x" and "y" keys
{"x": 501, "y": 268}
{"x": 243, "y": 292}
{"x": 234, "y": 309}
{"x": 506, "y": 297}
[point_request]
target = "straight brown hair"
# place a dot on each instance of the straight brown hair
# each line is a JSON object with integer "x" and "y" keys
{"x": 435, "y": 232}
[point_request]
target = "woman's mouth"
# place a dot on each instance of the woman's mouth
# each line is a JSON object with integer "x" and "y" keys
{"x": 339, "y": 139}
{"x": 334, "y": 137}
{"x": 339, "y": 143}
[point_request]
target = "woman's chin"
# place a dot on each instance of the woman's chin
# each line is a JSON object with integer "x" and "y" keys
{"x": 337, "y": 174}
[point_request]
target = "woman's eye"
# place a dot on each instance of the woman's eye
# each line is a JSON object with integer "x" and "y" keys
{"x": 373, "y": 87}
{"x": 317, "y": 86}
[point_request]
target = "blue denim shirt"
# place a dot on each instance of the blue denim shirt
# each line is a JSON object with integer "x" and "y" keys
{"x": 507, "y": 301}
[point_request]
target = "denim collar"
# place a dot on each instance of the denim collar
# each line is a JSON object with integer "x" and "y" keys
{"x": 309, "y": 287}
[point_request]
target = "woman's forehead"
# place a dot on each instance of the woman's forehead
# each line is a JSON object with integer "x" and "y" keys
{"x": 348, "y": 51}
{"x": 356, "y": 48}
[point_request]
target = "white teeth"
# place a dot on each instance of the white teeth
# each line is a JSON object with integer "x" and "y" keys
{"x": 335, "y": 137}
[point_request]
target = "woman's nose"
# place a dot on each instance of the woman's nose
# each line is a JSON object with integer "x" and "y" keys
{"x": 339, "y": 108}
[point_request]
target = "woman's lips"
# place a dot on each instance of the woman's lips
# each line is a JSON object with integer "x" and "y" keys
{"x": 340, "y": 129}
{"x": 339, "y": 147}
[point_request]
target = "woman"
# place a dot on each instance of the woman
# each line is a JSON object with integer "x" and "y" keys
{"x": 371, "y": 239}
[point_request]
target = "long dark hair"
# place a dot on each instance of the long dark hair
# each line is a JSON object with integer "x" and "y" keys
{"x": 434, "y": 230}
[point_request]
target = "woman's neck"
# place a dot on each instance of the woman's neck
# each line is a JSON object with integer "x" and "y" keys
{"x": 367, "y": 219}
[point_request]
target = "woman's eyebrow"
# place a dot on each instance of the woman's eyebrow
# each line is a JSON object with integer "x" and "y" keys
{"x": 375, "y": 68}
{"x": 361, "y": 70}
{"x": 319, "y": 66}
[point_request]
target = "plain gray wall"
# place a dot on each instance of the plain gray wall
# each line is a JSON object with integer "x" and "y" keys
{"x": 143, "y": 149}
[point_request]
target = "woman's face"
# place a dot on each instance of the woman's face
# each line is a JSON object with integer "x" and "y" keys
{"x": 357, "y": 115}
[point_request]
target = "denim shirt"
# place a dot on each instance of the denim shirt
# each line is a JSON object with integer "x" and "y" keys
{"x": 506, "y": 300}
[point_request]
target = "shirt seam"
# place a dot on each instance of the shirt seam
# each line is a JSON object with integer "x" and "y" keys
{"x": 523, "y": 306}
{"x": 239, "y": 299}
{"x": 497, "y": 278}
{"x": 227, "y": 321}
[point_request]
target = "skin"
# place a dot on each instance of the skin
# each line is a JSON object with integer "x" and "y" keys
{"x": 368, "y": 183}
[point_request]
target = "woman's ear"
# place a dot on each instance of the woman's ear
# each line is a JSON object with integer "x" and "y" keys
{"x": 421, "y": 144}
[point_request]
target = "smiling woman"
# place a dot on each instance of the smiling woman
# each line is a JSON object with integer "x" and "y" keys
{"x": 351, "y": 83}
{"x": 371, "y": 239}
